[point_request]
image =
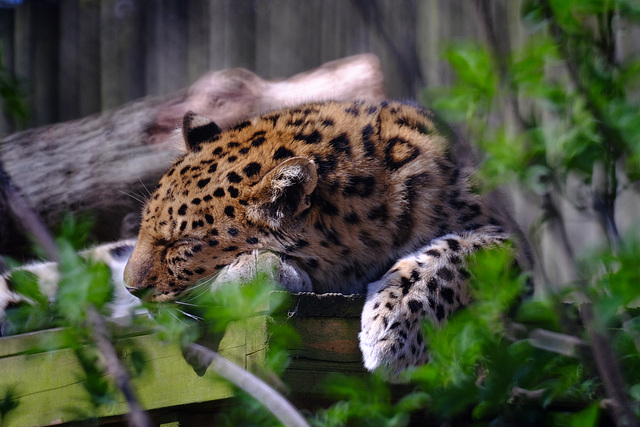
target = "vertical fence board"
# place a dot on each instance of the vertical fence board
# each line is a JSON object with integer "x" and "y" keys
{"x": 241, "y": 35}
{"x": 7, "y": 29}
{"x": 171, "y": 55}
{"x": 218, "y": 34}
{"x": 45, "y": 71}
{"x": 198, "y": 33}
{"x": 69, "y": 60}
{"x": 89, "y": 68}
{"x": 122, "y": 52}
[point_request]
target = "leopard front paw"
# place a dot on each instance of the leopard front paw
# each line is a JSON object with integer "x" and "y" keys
{"x": 391, "y": 338}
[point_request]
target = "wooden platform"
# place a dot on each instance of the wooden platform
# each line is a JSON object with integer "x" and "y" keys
{"x": 48, "y": 386}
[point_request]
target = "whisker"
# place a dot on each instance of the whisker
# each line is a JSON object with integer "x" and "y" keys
{"x": 189, "y": 304}
{"x": 193, "y": 316}
{"x": 137, "y": 197}
{"x": 145, "y": 187}
{"x": 176, "y": 317}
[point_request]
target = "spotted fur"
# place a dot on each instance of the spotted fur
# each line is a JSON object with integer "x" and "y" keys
{"x": 363, "y": 197}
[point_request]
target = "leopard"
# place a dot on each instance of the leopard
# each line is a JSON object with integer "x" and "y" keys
{"x": 354, "y": 197}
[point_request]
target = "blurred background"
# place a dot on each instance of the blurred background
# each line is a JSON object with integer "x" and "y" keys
{"x": 65, "y": 59}
{"x": 78, "y": 57}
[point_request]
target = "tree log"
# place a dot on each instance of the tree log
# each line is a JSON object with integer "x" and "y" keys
{"x": 106, "y": 164}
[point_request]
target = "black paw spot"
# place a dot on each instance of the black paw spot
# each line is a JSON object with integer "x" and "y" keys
{"x": 445, "y": 274}
{"x": 433, "y": 252}
{"x": 415, "y": 306}
{"x": 464, "y": 273}
{"x": 447, "y": 294}
{"x": 406, "y": 285}
{"x": 454, "y": 245}
{"x": 415, "y": 276}
{"x": 432, "y": 284}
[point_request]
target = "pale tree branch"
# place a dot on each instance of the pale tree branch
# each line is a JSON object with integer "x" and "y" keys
{"x": 201, "y": 357}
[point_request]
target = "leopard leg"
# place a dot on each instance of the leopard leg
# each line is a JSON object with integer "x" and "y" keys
{"x": 428, "y": 283}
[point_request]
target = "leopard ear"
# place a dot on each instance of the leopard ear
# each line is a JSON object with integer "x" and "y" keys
{"x": 284, "y": 193}
{"x": 197, "y": 129}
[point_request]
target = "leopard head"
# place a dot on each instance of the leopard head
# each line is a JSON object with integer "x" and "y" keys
{"x": 223, "y": 198}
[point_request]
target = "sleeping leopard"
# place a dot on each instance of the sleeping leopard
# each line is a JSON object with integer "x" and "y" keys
{"x": 345, "y": 197}
{"x": 357, "y": 197}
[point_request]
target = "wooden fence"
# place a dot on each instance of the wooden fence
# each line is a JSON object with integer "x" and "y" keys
{"x": 78, "y": 57}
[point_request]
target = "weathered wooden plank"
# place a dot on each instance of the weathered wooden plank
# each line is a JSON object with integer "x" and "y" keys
{"x": 49, "y": 387}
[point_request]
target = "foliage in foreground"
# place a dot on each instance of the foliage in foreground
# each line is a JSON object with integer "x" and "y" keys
{"x": 570, "y": 356}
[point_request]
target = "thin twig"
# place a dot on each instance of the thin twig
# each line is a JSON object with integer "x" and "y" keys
{"x": 137, "y": 416}
{"x": 201, "y": 357}
{"x": 610, "y": 371}
{"x": 25, "y": 214}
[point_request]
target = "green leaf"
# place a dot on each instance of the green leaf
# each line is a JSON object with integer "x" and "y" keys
{"x": 26, "y": 284}
{"x": 81, "y": 283}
